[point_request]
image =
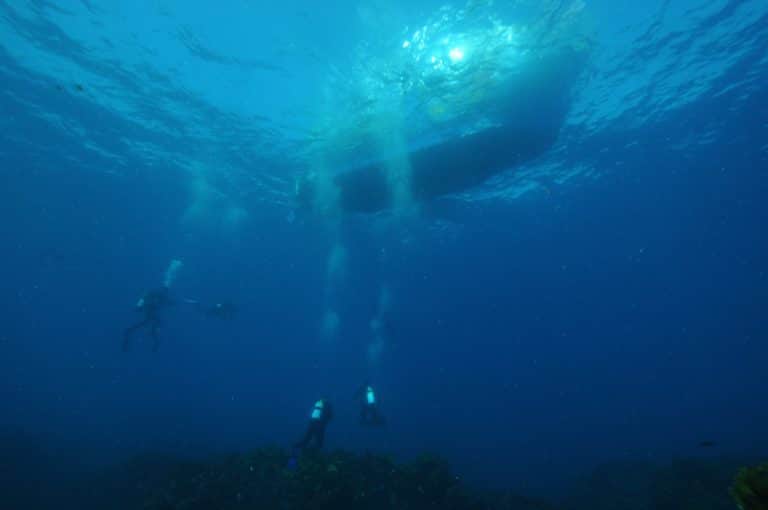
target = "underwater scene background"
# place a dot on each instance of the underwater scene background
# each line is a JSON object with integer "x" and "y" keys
{"x": 536, "y": 228}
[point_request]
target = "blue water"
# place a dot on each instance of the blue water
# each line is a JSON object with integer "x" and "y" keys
{"x": 608, "y": 301}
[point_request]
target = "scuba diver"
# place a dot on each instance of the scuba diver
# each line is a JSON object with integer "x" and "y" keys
{"x": 150, "y": 305}
{"x": 322, "y": 413}
{"x": 369, "y": 409}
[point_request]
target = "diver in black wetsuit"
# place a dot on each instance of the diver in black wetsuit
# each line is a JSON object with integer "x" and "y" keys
{"x": 150, "y": 305}
{"x": 369, "y": 407}
{"x": 322, "y": 413}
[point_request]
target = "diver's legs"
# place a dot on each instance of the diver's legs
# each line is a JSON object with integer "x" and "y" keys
{"x": 155, "y": 337}
{"x": 129, "y": 332}
{"x": 374, "y": 414}
{"x": 378, "y": 419}
{"x": 302, "y": 445}
{"x": 320, "y": 436}
{"x": 369, "y": 415}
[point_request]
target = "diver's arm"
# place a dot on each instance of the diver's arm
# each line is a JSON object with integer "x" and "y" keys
{"x": 194, "y": 302}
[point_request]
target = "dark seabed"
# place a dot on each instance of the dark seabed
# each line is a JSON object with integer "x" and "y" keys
{"x": 538, "y": 230}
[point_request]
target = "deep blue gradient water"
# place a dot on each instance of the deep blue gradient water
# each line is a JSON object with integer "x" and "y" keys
{"x": 617, "y": 308}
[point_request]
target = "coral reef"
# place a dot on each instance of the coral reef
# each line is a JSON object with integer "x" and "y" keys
{"x": 686, "y": 484}
{"x": 266, "y": 479}
{"x": 37, "y": 476}
{"x": 693, "y": 484}
{"x": 750, "y": 488}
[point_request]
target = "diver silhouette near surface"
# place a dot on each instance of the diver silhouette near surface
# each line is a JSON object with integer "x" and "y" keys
{"x": 150, "y": 305}
{"x": 153, "y": 304}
